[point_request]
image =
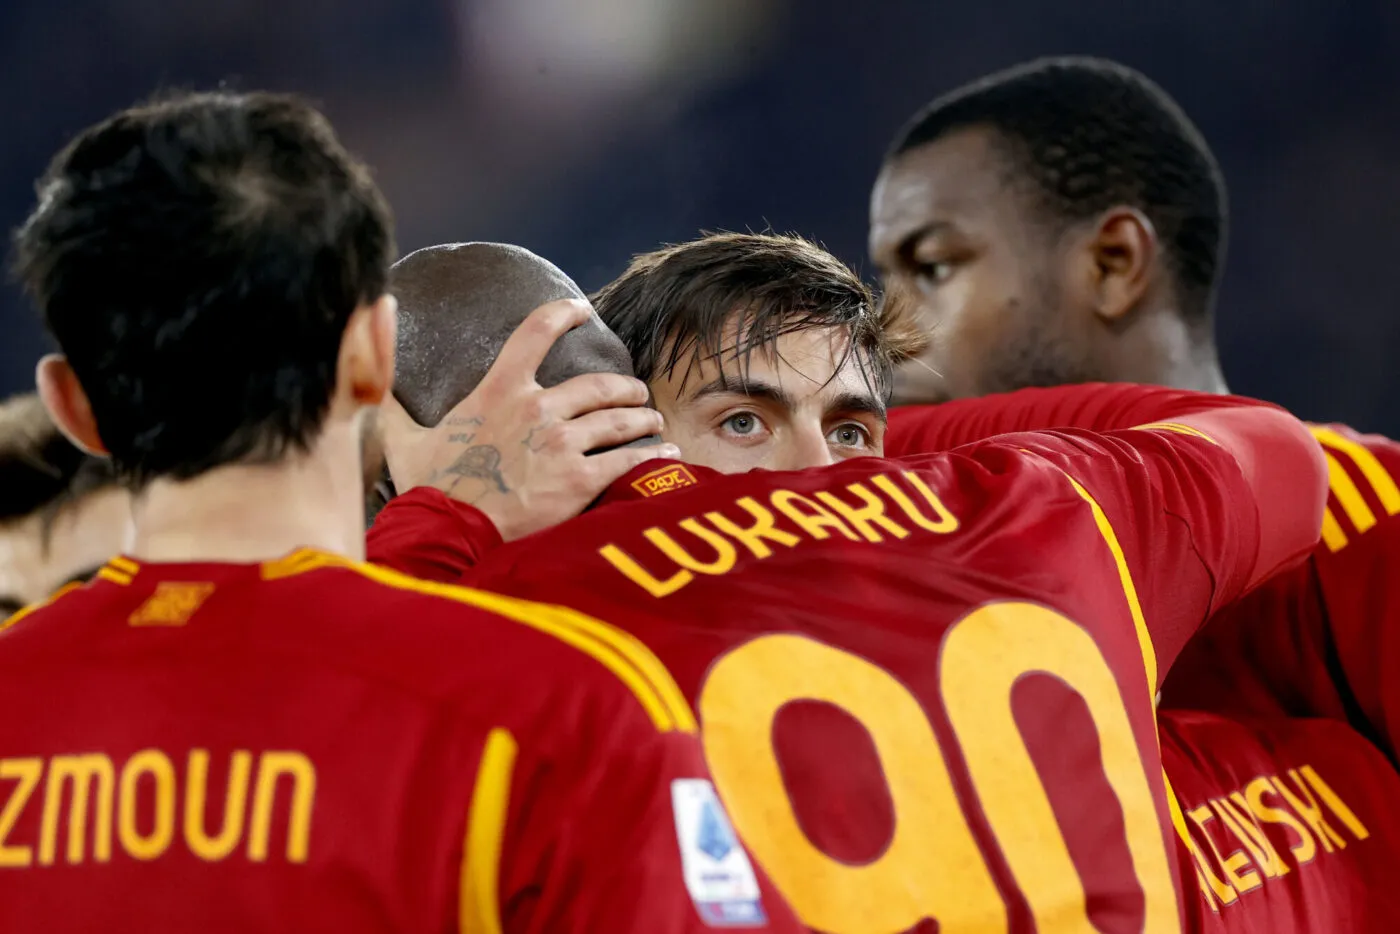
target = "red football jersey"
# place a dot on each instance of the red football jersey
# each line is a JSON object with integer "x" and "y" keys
{"x": 1312, "y": 641}
{"x": 1292, "y": 824}
{"x": 926, "y": 686}
{"x": 1318, "y": 640}
{"x": 313, "y": 745}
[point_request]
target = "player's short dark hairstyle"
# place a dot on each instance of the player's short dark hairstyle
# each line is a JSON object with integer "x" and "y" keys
{"x": 40, "y": 470}
{"x": 1089, "y": 135}
{"x": 676, "y": 305}
{"x": 197, "y": 259}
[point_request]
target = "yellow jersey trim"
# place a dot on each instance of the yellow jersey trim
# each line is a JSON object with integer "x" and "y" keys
{"x": 125, "y": 565}
{"x": 479, "y": 900}
{"x": 1178, "y": 428}
{"x": 636, "y": 651}
{"x": 630, "y": 661}
{"x": 1149, "y": 654}
{"x": 1348, "y": 496}
{"x": 1332, "y": 534}
{"x": 22, "y": 613}
{"x": 114, "y": 576}
{"x": 1371, "y": 467}
{"x": 1125, "y": 580}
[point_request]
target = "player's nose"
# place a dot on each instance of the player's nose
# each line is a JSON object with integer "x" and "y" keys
{"x": 806, "y": 447}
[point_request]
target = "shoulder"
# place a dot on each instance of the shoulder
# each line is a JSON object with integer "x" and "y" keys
{"x": 463, "y": 639}
{"x": 1355, "y": 445}
{"x": 1362, "y": 471}
{"x": 47, "y": 607}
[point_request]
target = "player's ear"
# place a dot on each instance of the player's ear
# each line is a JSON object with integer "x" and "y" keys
{"x": 1124, "y": 252}
{"x": 365, "y": 370}
{"x": 68, "y": 403}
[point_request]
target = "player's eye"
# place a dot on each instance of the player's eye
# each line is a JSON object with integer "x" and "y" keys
{"x": 849, "y": 435}
{"x": 743, "y": 424}
{"x": 934, "y": 273}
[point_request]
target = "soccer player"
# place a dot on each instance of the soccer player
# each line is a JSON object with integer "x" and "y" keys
{"x": 1064, "y": 221}
{"x": 240, "y": 727}
{"x": 925, "y": 685}
{"x": 815, "y": 390}
{"x": 62, "y": 513}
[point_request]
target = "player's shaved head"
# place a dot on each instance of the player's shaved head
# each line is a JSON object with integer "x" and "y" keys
{"x": 459, "y": 302}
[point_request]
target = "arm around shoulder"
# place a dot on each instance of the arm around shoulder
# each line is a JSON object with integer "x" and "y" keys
{"x": 1285, "y": 471}
{"x": 427, "y": 535}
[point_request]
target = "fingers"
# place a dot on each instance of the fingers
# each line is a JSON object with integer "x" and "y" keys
{"x": 591, "y": 392}
{"x": 531, "y": 342}
{"x": 606, "y": 468}
{"x": 610, "y": 427}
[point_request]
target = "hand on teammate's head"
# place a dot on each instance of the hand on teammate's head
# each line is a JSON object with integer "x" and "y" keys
{"x": 527, "y": 456}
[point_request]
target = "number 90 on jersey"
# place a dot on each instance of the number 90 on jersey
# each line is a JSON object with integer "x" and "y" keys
{"x": 933, "y": 866}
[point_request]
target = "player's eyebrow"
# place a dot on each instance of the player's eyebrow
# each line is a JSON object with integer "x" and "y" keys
{"x": 855, "y": 403}
{"x": 751, "y": 388}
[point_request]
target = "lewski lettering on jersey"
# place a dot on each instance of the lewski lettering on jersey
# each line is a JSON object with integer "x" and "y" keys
{"x": 893, "y": 505}
{"x": 87, "y": 806}
{"x": 1304, "y": 816}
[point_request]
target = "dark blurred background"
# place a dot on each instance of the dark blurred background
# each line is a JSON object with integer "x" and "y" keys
{"x": 592, "y": 129}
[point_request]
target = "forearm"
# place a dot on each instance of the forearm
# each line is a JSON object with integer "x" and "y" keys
{"x": 1090, "y": 406}
{"x": 426, "y": 535}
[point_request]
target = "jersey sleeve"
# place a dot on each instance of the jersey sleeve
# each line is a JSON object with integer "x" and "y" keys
{"x": 927, "y": 429}
{"x": 425, "y": 534}
{"x": 623, "y": 832}
{"x": 1185, "y": 509}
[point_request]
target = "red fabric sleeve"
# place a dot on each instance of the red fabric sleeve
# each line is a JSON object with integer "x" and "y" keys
{"x": 1281, "y": 465}
{"x": 599, "y": 842}
{"x": 1186, "y": 509}
{"x": 1284, "y": 471}
{"x": 927, "y": 429}
{"x": 425, "y": 534}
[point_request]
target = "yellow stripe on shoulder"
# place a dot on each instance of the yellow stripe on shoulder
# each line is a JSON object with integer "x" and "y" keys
{"x": 1371, "y": 467}
{"x": 114, "y": 576}
{"x": 1178, "y": 428}
{"x": 642, "y": 657}
{"x": 620, "y": 652}
{"x": 1348, "y": 495}
{"x": 21, "y": 614}
{"x": 1332, "y": 533}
